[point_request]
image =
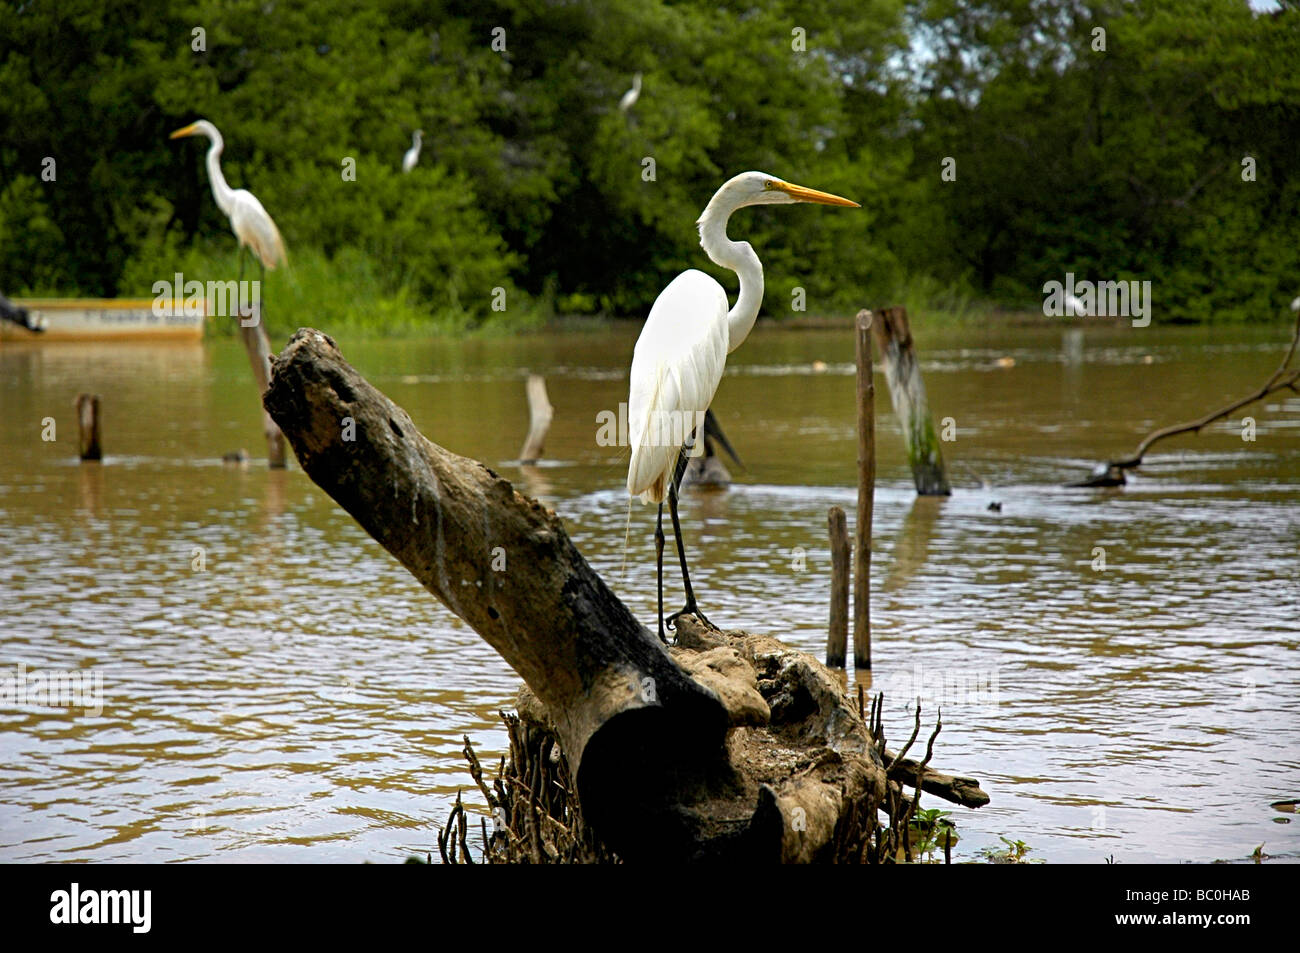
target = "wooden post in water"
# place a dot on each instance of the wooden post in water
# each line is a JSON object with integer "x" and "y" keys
{"x": 540, "y": 412}
{"x": 88, "y": 423}
{"x": 258, "y": 346}
{"x": 837, "y": 642}
{"x": 866, "y": 493}
{"x": 893, "y": 337}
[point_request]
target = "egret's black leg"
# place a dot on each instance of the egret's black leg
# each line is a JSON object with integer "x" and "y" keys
{"x": 683, "y": 461}
{"x": 690, "y": 608}
{"x": 659, "y": 566}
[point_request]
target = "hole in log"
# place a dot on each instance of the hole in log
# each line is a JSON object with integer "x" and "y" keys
{"x": 340, "y": 385}
{"x": 493, "y": 613}
{"x": 641, "y": 771}
{"x": 396, "y": 429}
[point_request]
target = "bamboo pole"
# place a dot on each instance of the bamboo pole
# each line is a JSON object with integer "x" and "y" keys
{"x": 88, "y": 424}
{"x": 540, "y": 412}
{"x": 893, "y": 337}
{"x": 866, "y": 492}
{"x": 258, "y": 347}
{"x": 838, "y": 640}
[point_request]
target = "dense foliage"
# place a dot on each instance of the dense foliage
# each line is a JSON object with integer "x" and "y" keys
{"x": 1169, "y": 150}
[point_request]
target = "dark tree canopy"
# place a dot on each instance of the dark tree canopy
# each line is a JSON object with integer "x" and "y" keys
{"x": 1148, "y": 140}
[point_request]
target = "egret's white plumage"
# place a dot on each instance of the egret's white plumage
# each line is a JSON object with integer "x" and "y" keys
{"x": 630, "y": 97}
{"x": 682, "y": 351}
{"x": 412, "y": 155}
{"x": 249, "y": 221}
{"x": 676, "y": 368}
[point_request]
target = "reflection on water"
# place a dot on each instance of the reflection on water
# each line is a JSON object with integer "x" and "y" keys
{"x": 1117, "y": 667}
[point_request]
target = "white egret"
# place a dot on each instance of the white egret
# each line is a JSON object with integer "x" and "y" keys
{"x": 630, "y": 97}
{"x": 248, "y": 219}
{"x": 412, "y": 155}
{"x": 680, "y": 355}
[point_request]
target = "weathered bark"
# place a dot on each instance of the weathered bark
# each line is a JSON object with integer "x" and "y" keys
{"x": 893, "y": 337}
{"x": 726, "y": 747}
{"x": 258, "y": 347}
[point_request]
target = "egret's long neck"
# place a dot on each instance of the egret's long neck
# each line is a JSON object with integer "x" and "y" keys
{"x": 222, "y": 192}
{"x": 740, "y": 258}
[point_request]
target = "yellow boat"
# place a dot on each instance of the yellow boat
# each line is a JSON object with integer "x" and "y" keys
{"x": 106, "y": 319}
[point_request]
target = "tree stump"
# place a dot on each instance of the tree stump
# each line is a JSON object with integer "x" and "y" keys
{"x": 893, "y": 336}
{"x": 88, "y": 427}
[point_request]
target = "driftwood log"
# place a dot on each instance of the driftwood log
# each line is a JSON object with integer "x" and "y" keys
{"x": 725, "y": 747}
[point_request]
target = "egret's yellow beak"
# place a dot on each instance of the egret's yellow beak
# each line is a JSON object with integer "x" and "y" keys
{"x": 187, "y": 131}
{"x": 801, "y": 194}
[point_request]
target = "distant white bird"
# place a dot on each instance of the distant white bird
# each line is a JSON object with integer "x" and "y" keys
{"x": 1295, "y": 305}
{"x": 683, "y": 348}
{"x": 630, "y": 97}
{"x": 413, "y": 154}
{"x": 248, "y": 220}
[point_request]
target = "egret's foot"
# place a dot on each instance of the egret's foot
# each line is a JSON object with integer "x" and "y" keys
{"x": 662, "y": 638}
{"x": 691, "y": 609}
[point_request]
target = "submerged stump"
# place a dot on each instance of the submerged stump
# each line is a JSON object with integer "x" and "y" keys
{"x": 88, "y": 427}
{"x": 540, "y": 413}
{"x": 893, "y": 337}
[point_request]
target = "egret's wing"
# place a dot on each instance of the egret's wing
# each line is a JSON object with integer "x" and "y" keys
{"x": 676, "y": 368}
{"x": 254, "y": 228}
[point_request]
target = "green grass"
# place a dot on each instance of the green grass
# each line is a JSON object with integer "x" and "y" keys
{"x": 350, "y": 293}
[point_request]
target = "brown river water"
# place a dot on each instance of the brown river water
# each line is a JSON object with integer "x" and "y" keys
{"x": 1118, "y": 667}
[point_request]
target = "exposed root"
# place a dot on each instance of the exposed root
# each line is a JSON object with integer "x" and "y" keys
{"x": 536, "y": 817}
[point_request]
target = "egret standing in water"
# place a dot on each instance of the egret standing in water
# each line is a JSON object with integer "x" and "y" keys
{"x": 413, "y": 154}
{"x": 248, "y": 220}
{"x": 683, "y": 348}
{"x": 631, "y": 96}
